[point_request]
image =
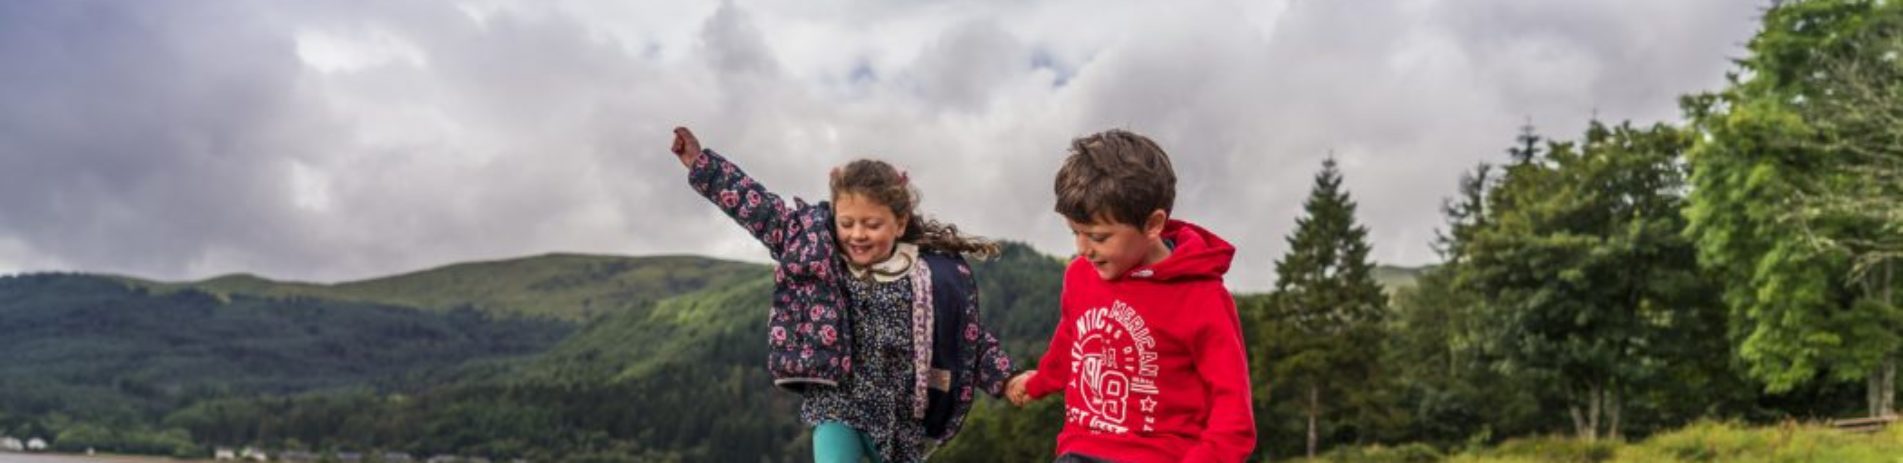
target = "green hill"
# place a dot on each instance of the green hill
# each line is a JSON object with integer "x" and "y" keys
{"x": 93, "y": 347}
{"x": 564, "y": 286}
{"x": 548, "y": 357}
{"x": 696, "y": 359}
{"x": 725, "y": 324}
{"x": 1393, "y": 278}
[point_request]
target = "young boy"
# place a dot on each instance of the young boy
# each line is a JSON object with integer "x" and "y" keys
{"x": 1149, "y": 351}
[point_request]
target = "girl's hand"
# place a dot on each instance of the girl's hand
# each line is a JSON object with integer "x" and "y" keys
{"x": 1014, "y": 388}
{"x": 686, "y": 147}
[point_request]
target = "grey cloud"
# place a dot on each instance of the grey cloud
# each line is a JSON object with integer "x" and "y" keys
{"x": 735, "y": 44}
{"x": 969, "y": 62}
{"x": 139, "y": 139}
{"x": 124, "y": 142}
{"x": 146, "y": 144}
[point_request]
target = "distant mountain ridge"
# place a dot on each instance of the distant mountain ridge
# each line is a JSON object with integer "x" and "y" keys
{"x": 559, "y": 285}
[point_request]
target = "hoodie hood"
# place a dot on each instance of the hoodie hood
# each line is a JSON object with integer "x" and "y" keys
{"x": 1198, "y": 255}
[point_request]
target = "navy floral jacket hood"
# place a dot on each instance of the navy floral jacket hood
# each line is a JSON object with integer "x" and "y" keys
{"x": 807, "y": 343}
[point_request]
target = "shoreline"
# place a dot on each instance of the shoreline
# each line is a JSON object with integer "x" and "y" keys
{"x": 54, "y": 457}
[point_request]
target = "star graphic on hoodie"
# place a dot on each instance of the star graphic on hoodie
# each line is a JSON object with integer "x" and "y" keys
{"x": 1149, "y": 404}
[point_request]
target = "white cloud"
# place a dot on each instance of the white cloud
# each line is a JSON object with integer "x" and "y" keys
{"x": 323, "y": 141}
{"x": 355, "y": 50}
{"x": 17, "y": 257}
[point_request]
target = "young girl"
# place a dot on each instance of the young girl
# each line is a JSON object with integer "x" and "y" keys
{"x": 875, "y": 314}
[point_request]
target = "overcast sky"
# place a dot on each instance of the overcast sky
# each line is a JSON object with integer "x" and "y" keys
{"x": 340, "y": 140}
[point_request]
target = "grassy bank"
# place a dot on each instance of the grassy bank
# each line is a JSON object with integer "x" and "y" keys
{"x": 1700, "y": 442}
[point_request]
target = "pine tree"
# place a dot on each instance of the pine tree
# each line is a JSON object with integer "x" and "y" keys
{"x": 1327, "y": 301}
{"x": 1465, "y": 214}
{"x": 1529, "y": 147}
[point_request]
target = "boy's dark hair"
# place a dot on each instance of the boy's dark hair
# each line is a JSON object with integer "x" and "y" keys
{"x": 1115, "y": 174}
{"x": 884, "y": 184}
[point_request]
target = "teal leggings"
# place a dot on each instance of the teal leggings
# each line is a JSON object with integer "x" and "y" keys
{"x": 834, "y": 442}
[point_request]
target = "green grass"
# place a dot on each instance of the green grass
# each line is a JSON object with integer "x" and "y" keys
{"x": 720, "y": 325}
{"x": 1406, "y": 453}
{"x": 1706, "y": 441}
{"x": 1730, "y": 442}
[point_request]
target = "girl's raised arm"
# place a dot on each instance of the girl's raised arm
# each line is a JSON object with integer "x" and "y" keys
{"x": 760, "y": 211}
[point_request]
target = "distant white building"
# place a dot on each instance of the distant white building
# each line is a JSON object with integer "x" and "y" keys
{"x": 12, "y": 444}
{"x": 224, "y": 454}
{"x": 253, "y": 454}
{"x": 36, "y": 445}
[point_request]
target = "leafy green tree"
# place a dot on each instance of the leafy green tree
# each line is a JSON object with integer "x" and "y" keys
{"x": 1855, "y": 207}
{"x": 1585, "y": 277}
{"x": 1795, "y": 139}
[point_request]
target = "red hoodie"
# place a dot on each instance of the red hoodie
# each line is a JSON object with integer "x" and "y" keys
{"x": 1152, "y": 364}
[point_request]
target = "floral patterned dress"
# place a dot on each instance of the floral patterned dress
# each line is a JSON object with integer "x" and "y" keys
{"x": 877, "y": 398}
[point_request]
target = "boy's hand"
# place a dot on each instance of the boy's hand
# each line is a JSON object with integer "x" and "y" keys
{"x": 1014, "y": 388}
{"x": 686, "y": 147}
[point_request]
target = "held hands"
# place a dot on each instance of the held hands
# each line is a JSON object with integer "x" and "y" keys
{"x": 686, "y": 147}
{"x": 1014, "y": 388}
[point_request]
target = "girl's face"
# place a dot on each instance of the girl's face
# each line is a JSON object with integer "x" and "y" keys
{"x": 866, "y": 229}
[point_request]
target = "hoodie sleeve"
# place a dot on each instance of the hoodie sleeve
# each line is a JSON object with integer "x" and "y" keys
{"x": 1229, "y": 435}
{"x": 759, "y": 211}
{"x": 1053, "y": 371}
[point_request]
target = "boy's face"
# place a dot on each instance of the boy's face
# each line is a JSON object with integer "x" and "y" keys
{"x": 866, "y": 229}
{"x": 1115, "y": 248}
